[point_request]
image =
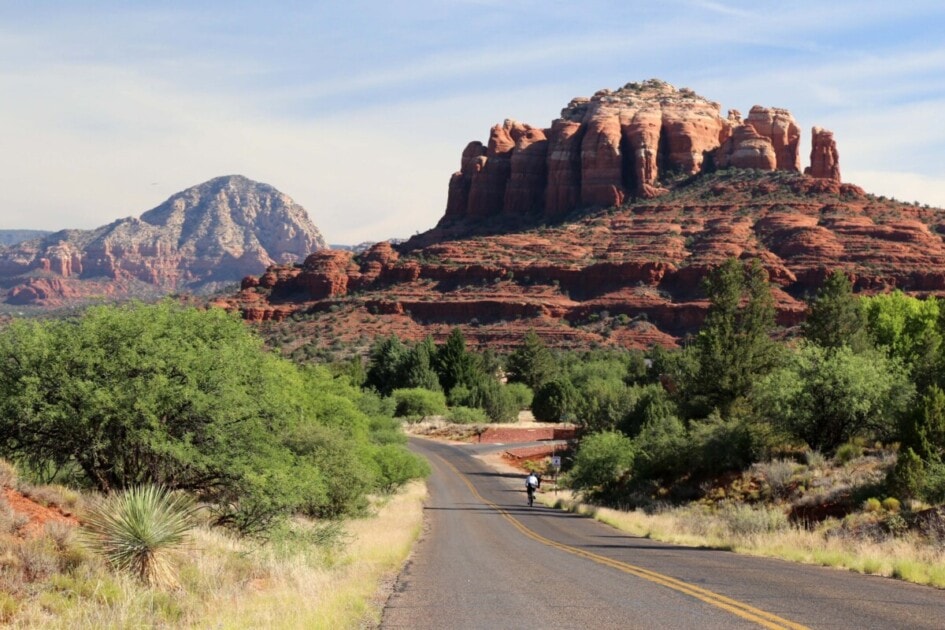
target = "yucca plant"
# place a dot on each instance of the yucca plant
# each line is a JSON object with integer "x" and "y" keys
{"x": 138, "y": 530}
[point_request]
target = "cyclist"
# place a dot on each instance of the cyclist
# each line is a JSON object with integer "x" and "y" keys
{"x": 532, "y": 483}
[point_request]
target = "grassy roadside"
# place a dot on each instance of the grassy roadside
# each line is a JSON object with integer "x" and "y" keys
{"x": 311, "y": 575}
{"x": 753, "y": 532}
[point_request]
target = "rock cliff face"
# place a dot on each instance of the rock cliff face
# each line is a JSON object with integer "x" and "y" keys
{"x": 611, "y": 147}
{"x": 201, "y": 238}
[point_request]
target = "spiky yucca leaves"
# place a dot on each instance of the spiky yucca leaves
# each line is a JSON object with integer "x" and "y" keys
{"x": 137, "y": 530}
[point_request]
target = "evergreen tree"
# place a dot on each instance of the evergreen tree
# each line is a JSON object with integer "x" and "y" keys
{"x": 416, "y": 370}
{"x": 531, "y": 363}
{"x": 734, "y": 347}
{"x": 454, "y": 364}
{"x": 386, "y": 364}
{"x": 835, "y": 317}
{"x": 923, "y": 431}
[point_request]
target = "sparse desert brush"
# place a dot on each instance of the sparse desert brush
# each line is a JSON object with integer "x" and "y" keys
{"x": 872, "y": 505}
{"x": 55, "y": 495}
{"x": 7, "y": 474}
{"x": 777, "y": 474}
{"x": 814, "y": 460}
{"x": 138, "y": 530}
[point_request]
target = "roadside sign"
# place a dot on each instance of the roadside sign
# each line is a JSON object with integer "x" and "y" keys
{"x": 556, "y": 461}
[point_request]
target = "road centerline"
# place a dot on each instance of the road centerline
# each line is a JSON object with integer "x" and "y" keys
{"x": 741, "y": 609}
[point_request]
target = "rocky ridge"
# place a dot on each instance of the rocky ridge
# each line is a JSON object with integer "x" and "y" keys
{"x": 199, "y": 239}
{"x": 601, "y": 227}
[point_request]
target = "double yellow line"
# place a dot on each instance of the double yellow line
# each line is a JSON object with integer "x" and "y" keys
{"x": 756, "y": 615}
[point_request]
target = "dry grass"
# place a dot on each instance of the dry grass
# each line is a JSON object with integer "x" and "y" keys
{"x": 334, "y": 591}
{"x": 51, "y": 581}
{"x": 910, "y": 558}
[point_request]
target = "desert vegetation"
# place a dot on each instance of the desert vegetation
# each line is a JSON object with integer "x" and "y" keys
{"x": 161, "y": 437}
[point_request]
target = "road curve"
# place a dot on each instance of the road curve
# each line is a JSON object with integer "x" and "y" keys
{"x": 486, "y": 560}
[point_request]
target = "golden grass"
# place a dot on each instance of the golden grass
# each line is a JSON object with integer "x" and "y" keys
{"x": 227, "y": 581}
{"x": 302, "y": 591}
{"x": 908, "y": 558}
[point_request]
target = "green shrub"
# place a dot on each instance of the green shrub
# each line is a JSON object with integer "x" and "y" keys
{"x": 601, "y": 459}
{"x": 908, "y": 478}
{"x": 418, "y": 402}
{"x": 663, "y": 449}
{"x": 397, "y": 466}
{"x": 521, "y": 394}
{"x": 847, "y": 452}
{"x": 872, "y": 505}
{"x": 891, "y": 504}
{"x": 136, "y": 530}
{"x": 554, "y": 400}
{"x": 467, "y": 415}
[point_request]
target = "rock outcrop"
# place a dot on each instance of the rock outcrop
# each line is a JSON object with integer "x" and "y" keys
{"x": 199, "y": 239}
{"x": 824, "y": 159}
{"x": 609, "y": 148}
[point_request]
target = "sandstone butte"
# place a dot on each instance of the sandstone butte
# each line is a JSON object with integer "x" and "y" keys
{"x": 209, "y": 235}
{"x": 600, "y": 228}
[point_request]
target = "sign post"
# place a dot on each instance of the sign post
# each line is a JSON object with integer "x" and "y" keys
{"x": 556, "y": 464}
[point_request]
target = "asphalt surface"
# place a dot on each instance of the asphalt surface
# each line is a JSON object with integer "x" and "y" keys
{"x": 486, "y": 560}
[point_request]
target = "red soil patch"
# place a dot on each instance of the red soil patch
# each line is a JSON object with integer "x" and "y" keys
{"x": 38, "y": 514}
{"x": 502, "y": 435}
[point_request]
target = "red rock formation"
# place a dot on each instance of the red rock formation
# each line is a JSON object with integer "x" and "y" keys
{"x": 747, "y": 149}
{"x": 824, "y": 159}
{"x": 779, "y": 127}
{"x": 491, "y": 173}
{"x": 610, "y": 147}
{"x": 525, "y": 191}
{"x": 602, "y": 160}
{"x": 563, "y": 190}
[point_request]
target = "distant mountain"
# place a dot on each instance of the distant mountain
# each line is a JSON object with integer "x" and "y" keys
{"x": 12, "y": 237}
{"x": 199, "y": 240}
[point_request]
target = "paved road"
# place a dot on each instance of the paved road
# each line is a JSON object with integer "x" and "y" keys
{"x": 486, "y": 560}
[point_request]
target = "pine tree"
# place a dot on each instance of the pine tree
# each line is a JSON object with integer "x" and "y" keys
{"x": 835, "y": 316}
{"x": 531, "y": 363}
{"x": 734, "y": 347}
{"x": 453, "y": 363}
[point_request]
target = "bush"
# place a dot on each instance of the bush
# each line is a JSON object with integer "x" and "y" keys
{"x": 137, "y": 530}
{"x": 662, "y": 449}
{"x": 521, "y": 395}
{"x": 418, "y": 402}
{"x": 846, "y": 453}
{"x": 891, "y": 504}
{"x": 777, "y": 474}
{"x": 554, "y": 400}
{"x": 397, "y": 466}
{"x": 872, "y": 505}
{"x": 601, "y": 459}
{"x": 467, "y": 415}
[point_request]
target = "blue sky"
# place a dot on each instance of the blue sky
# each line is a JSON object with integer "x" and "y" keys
{"x": 359, "y": 110}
